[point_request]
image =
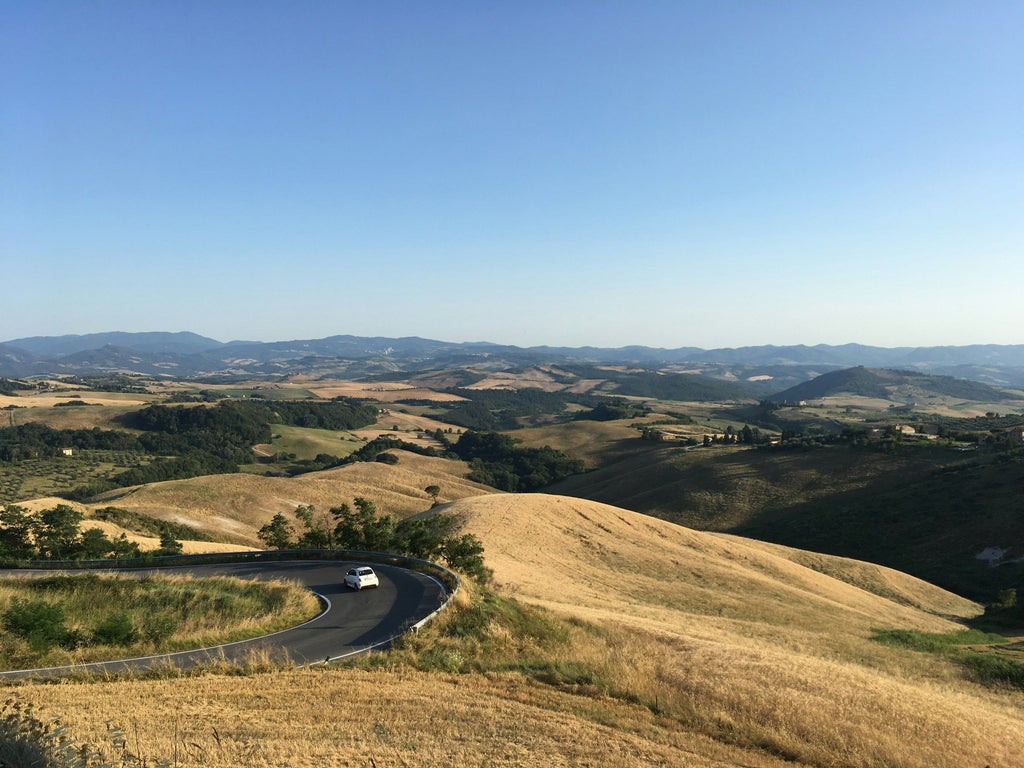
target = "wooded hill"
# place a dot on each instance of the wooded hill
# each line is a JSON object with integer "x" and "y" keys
{"x": 903, "y": 386}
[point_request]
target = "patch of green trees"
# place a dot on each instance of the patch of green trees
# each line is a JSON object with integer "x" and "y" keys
{"x": 186, "y": 441}
{"x": 612, "y": 410}
{"x": 34, "y": 440}
{"x": 497, "y": 460}
{"x": 56, "y": 534}
{"x": 361, "y": 527}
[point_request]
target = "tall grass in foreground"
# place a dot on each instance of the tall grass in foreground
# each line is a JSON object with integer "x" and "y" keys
{"x": 791, "y": 706}
{"x": 492, "y": 678}
{"x": 26, "y": 741}
{"x": 59, "y": 620}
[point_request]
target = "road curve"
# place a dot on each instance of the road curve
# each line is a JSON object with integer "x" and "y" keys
{"x": 352, "y": 622}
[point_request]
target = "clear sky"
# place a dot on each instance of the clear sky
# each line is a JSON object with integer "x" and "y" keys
{"x": 605, "y": 173}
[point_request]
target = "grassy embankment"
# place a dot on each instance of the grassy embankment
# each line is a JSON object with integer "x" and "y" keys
{"x": 73, "y": 619}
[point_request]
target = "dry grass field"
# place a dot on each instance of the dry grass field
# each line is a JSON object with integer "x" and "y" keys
{"x": 233, "y": 507}
{"x": 405, "y": 426}
{"x": 715, "y": 651}
{"x": 385, "y": 392}
{"x": 593, "y": 442}
{"x": 60, "y": 417}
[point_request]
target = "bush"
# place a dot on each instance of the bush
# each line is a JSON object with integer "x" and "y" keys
{"x": 994, "y": 669}
{"x": 157, "y": 627}
{"x": 116, "y": 629}
{"x": 38, "y": 622}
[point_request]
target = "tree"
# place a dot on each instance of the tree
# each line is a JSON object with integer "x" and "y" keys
{"x": 57, "y": 531}
{"x": 317, "y": 534}
{"x": 277, "y": 534}
{"x": 169, "y": 545}
{"x": 94, "y": 544}
{"x": 433, "y": 491}
{"x": 121, "y": 547}
{"x": 423, "y": 537}
{"x": 16, "y": 533}
{"x": 363, "y": 528}
{"x": 466, "y": 554}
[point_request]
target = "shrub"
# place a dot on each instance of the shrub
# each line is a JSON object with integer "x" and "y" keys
{"x": 38, "y": 622}
{"x": 116, "y": 629}
{"x": 157, "y": 627}
{"x": 993, "y": 668}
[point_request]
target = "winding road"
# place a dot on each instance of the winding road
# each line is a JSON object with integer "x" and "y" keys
{"x": 352, "y": 622}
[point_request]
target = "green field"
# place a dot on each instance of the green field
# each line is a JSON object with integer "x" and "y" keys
{"x": 34, "y": 478}
{"x": 307, "y": 443}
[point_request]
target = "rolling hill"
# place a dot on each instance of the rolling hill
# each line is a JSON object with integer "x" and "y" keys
{"x": 897, "y": 386}
{"x": 233, "y": 507}
{"x": 191, "y": 355}
{"x": 719, "y": 651}
{"x": 927, "y": 511}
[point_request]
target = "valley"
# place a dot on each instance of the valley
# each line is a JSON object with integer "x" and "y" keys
{"x": 702, "y": 572}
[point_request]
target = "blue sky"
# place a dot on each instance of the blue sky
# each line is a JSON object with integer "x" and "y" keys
{"x": 569, "y": 173}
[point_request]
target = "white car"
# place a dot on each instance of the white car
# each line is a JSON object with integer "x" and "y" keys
{"x": 360, "y": 577}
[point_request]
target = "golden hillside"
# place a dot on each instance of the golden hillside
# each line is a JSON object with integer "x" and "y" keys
{"x": 233, "y": 507}
{"x": 588, "y": 557}
{"x": 724, "y": 652}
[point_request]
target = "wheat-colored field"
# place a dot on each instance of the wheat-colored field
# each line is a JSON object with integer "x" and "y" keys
{"x": 722, "y": 651}
{"x": 233, "y": 507}
{"x": 385, "y": 392}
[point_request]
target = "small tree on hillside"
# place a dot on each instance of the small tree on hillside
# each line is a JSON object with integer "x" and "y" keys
{"x": 57, "y": 531}
{"x": 277, "y": 534}
{"x": 169, "y": 545}
{"x": 318, "y": 533}
{"x": 433, "y": 491}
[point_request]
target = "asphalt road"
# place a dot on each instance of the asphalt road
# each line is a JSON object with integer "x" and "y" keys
{"x": 352, "y": 622}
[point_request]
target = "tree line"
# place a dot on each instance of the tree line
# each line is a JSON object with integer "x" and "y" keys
{"x": 184, "y": 441}
{"x": 361, "y": 527}
{"x": 497, "y": 460}
{"x": 56, "y": 534}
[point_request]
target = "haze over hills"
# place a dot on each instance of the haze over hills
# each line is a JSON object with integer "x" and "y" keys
{"x": 191, "y": 355}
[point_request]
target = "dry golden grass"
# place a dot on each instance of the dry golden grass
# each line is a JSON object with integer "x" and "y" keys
{"x": 531, "y": 378}
{"x": 738, "y": 637}
{"x": 714, "y": 650}
{"x": 146, "y": 543}
{"x": 314, "y": 718}
{"x": 83, "y": 417}
{"x": 589, "y": 441}
{"x": 385, "y": 392}
{"x": 233, "y": 507}
{"x": 407, "y": 424}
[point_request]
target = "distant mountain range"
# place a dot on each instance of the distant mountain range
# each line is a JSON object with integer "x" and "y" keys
{"x": 189, "y": 355}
